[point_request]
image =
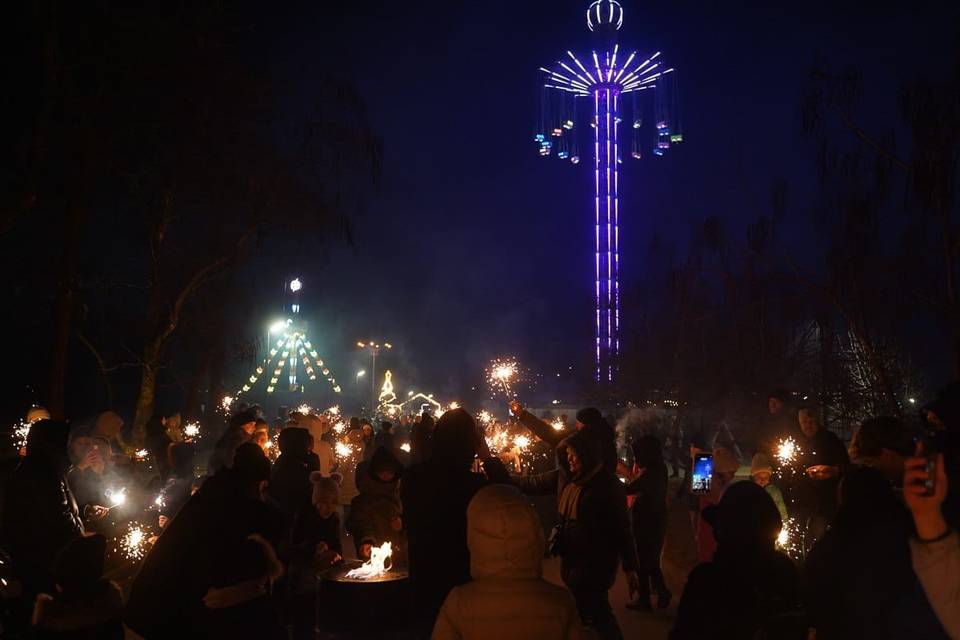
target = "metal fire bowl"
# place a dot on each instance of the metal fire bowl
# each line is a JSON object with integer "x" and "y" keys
{"x": 349, "y": 606}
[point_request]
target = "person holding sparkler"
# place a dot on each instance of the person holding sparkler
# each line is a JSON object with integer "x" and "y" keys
{"x": 824, "y": 460}
{"x": 40, "y": 514}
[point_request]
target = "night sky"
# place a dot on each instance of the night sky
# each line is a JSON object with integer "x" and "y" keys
{"x": 471, "y": 246}
{"x": 474, "y": 246}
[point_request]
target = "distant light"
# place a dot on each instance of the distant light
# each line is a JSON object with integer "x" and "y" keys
{"x": 913, "y": 401}
{"x": 361, "y": 373}
{"x": 296, "y": 285}
{"x": 278, "y": 326}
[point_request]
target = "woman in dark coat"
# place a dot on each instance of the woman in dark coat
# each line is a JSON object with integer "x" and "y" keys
{"x": 208, "y": 574}
{"x": 594, "y": 532}
{"x": 649, "y": 518}
{"x": 435, "y": 495}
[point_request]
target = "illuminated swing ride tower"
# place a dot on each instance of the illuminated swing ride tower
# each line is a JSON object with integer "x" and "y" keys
{"x": 611, "y": 84}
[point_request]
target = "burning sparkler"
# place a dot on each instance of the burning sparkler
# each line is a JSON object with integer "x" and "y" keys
{"x": 521, "y": 442}
{"x": 788, "y": 455}
{"x": 20, "y": 432}
{"x": 485, "y": 418}
{"x": 378, "y": 565}
{"x": 141, "y": 455}
{"x": 191, "y": 430}
{"x": 405, "y": 447}
{"x": 134, "y": 542}
{"x": 343, "y": 450}
{"x": 558, "y": 425}
{"x": 305, "y": 409}
{"x": 226, "y": 403}
{"x": 790, "y": 538}
{"x": 501, "y": 374}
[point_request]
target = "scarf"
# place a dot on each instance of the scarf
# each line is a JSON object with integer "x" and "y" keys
{"x": 569, "y": 501}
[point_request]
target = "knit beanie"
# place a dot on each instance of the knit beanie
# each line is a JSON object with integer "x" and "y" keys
{"x": 760, "y": 464}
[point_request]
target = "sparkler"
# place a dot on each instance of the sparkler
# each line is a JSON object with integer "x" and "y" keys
{"x": 789, "y": 539}
{"x": 521, "y": 442}
{"x": 343, "y": 450}
{"x": 226, "y": 403}
{"x": 133, "y": 543}
{"x": 378, "y": 564}
{"x": 558, "y": 425}
{"x": 141, "y": 455}
{"x": 340, "y": 427}
{"x": 501, "y": 374}
{"x": 191, "y": 430}
{"x": 788, "y": 455}
{"x": 305, "y": 409}
{"x": 405, "y": 447}
{"x": 485, "y": 418}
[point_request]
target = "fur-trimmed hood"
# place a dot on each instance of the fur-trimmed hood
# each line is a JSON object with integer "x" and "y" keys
{"x": 55, "y": 614}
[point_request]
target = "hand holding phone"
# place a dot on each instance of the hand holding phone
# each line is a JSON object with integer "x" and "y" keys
{"x": 702, "y": 479}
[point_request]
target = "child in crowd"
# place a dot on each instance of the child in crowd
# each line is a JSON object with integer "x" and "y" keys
{"x": 375, "y": 513}
{"x": 761, "y": 472}
{"x": 317, "y": 530}
{"x": 85, "y": 605}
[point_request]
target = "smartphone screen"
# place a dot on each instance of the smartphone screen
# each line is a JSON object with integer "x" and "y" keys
{"x": 702, "y": 472}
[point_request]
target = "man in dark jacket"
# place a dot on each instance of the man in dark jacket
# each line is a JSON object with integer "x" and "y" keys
{"x": 594, "y": 533}
{"x": 40, "y": 515}
{"x": 749, "y": 589}
{"x": 435, "y": 495}
{"x": 240, "y": 430}
{"x": 218, "y": 548}
{"x": 420, "y": 437}
{"x": 589, "y": 420}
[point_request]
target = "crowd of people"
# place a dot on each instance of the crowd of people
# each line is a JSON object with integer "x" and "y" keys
{"x": 246, "y": 519}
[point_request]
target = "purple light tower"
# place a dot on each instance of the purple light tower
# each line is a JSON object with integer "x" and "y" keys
{"x": 608, "y": 82}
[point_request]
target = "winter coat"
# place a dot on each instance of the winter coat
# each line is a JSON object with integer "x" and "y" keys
{"x": 40, "y": 516}
{"x": 435, "y": 495}
{"x": 649, "y": 515}
{"x": 207, "y": 545}
{"x": 595, "y": 534}
{"x": 740, "y": 594}
{"x": 816, "y": 497}
{"x": 508, "y": 598}
{"x": 96, "y": 617}
{"x": 859, "y": 581}
{"x": 373, "y": 511}
{"x": 290, "y": 485}
{"x": 937, "y": 565}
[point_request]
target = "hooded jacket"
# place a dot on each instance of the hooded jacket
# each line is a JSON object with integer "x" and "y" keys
{"x": 595, "y": 533}
{"x": 508, "y": 598}
{"x": 373, "y": 511}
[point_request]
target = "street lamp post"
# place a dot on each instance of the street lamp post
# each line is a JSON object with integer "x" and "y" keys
{"x": 373, "y": 348}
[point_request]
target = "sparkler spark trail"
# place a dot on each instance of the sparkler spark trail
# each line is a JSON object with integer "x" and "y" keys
{"x": 521, "y": 442}
{"x": 484, "y": 418}
{"x": 20, "y": 432}
{"x": 558, "y": 425}
{"x": 133, "y": 544}
{"x": 141, "y": 455}
{"x": 788, "y": 456}
{"x": 501, "y": 374}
